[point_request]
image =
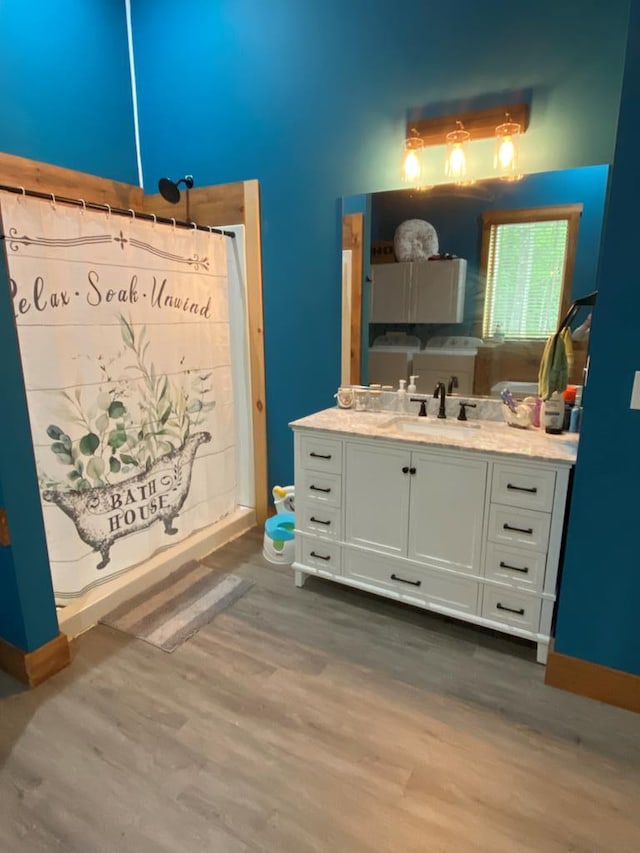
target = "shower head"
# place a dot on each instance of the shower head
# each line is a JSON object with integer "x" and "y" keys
{"x": 169, "y": 189}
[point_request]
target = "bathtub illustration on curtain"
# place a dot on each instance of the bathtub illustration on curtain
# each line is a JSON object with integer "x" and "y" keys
{"x": 132, "y": 467}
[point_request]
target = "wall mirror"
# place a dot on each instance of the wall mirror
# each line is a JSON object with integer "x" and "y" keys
{"x": 523, "y": 251}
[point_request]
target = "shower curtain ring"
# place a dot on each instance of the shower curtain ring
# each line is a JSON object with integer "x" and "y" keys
{"x": 108, "y": 206}
{"x": 173, "y": 224}
{"x": 155, "y": 219}
{"x": 23, "y": 191}
{"x": 194, "y": 226}
{"x": 133, "y": 213}
{"x": 53, "y": 200}
{"x": 84, "y": 205}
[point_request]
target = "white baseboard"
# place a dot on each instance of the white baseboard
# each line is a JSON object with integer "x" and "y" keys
{"x": 82, "y": 614}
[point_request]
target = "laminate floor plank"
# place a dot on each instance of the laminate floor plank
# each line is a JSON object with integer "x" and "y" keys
{"x": 314, "y": 720}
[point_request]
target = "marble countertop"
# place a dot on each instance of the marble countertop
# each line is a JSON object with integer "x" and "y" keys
{"x": 489, "y": 437}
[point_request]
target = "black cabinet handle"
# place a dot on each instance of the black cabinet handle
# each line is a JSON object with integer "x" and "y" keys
{"x": 320, "y": 521}
{"x": 519, "y": 612}
{"x": 319, "y": 489}
{"x": 527, "y": 530}
{"x": 395, "y": 577}
{"x": 320, "y": 557}
{"x": 412, "y": 470}
{"x": 532, "y": 491}
{"x": 503, "y": 565}
{"x": 405, "y": 469}
{"x": 320, "y": 455}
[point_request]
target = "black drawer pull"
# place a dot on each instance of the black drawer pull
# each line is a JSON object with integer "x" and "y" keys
{"x": 319, "y": 489}
{"x": 519, "y": 612}
{"x": 320, "y": 455}
{"x": 505, "y": 526}
{"x": 395, "y": 577}
{"x": 405, "y": 469}
{"x": 532, "y": 491}
{"x": 320, "y": 557}
{"x": 412, "y": 470}
{"x": 320, "y": 521}
{"x": 503, "y": 565}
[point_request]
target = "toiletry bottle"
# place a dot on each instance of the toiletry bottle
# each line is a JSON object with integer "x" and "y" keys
{"x": 412, "y": 385}
{"x": 553, "y": 414}
{"x": 402, "y": 396}
{"x": 576, "y": 412}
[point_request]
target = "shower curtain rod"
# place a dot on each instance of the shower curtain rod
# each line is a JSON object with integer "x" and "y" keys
{"x": 121, "y": 211}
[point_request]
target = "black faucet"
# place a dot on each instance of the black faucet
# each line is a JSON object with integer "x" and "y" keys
{"x": 453, "y": 383}
{"x": 441, "y": 391}
{"x": 423, "y": 405}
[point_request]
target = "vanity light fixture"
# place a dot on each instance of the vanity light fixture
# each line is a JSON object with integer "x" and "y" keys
{"x": 455, "y": 166}
{"x": 512, "y": 119}
{"x": 412, "y": 159}
{"x": 505, "y": 160}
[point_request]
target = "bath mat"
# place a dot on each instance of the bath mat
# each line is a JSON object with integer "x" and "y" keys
{"x": 171, "y": 611}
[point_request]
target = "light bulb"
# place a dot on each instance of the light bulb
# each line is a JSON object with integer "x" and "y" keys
{"x": 506, "y": 153}
{"x": 411, "y": 168}
{"x": 457, "y": 162}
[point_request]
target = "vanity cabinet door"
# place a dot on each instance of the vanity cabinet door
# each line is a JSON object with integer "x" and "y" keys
{"x": 377, "y": 497}
{"x": 447, "y": 511}
{"x": 390, "y": 291}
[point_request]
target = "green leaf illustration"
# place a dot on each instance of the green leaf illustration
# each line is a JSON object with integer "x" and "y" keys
{"x": 127, "y": 332}
{"x": 95, "y": 467}
{"x": 116, "y": 409}
{"x": 128, "y": 460}
{"x": 64, "y": 458}
{"x": 104, "y": 400}
{"x": 73, "y": 475}
{"x": 54, "y": 432}
{"x": 89, "y": 443}
{"x": 117, "y": 438}
{"x": 102, "y": 421}
{"x": 114, "y": 465}
{"x": 83, "y": 485}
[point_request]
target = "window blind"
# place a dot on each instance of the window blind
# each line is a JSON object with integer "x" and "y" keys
{"x": 525, "y": 274}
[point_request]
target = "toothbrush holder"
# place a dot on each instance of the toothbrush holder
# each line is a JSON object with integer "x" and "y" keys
{"x": 522, "y": 418}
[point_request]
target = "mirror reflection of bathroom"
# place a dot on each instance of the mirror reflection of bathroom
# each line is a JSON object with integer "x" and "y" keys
{"x": 474, "y": 307}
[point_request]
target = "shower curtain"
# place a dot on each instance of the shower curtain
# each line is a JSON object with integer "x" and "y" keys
{"x": 124, "y": 336}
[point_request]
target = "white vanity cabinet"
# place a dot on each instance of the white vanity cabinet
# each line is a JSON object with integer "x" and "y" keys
{"x": 473, "y": 535}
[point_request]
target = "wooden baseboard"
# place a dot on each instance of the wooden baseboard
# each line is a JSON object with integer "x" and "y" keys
{"x": 612, "y": 686}
{"x": 32, "y": 668}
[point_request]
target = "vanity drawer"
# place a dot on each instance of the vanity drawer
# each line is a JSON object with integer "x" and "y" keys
{"x": 511, "y": 608}
{"x": 325, "y": 521}
{"x": 519, "y": 568}
{"x": 324, "y": 556}
{"x": 412, "y": 582}
{"x": 319, "y": 487}
{"x": 523, "y": 487}
{"x": 320, "y": 454}
{"x": 521, "y": 527}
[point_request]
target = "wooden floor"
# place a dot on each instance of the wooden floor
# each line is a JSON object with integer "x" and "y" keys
{"x": 315, "y": 719}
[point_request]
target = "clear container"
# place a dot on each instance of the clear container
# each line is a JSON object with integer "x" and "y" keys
{"x": 388, "y": 399}
{"x": 362, "y": 399}
{"x": 374, "y": 400}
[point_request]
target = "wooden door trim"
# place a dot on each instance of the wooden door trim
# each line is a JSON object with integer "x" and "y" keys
{"x": 353, "y": 239}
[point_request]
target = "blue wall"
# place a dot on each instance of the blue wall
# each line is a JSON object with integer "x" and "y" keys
{"x": 66, "y": 94}
{"x": 66, "y": 100}
{"x": 598, "y": 616}
{"x": 312, "y": 99}
{"x": 456, "y": 214}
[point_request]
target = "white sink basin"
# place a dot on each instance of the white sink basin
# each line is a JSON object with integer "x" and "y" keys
{"x": 430, "y": 426}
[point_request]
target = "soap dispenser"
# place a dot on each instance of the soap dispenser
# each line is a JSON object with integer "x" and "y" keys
{"x": 402, "y": 395}
{"x": 412, "y": 385}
